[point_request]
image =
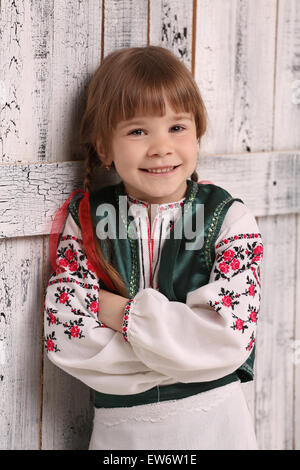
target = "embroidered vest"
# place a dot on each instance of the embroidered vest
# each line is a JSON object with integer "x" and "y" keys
{"x": 180, "y": 272}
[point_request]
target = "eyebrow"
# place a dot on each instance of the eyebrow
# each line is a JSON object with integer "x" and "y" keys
{"x": 141, "y": 120}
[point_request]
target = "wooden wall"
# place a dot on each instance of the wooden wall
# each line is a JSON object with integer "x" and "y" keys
{"x": 245, "y": 56}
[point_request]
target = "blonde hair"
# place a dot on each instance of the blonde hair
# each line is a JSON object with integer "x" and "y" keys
{"x": 128, "y": 82}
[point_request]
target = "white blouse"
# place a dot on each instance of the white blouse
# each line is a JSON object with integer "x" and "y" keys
{"x": 208, "y": 337}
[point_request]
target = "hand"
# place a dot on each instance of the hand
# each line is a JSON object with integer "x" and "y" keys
{"x": 111, "y": 309}
{"x": 205, "y": 182}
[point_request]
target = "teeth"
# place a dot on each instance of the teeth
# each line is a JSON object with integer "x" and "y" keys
{"x": 165, "y": 170}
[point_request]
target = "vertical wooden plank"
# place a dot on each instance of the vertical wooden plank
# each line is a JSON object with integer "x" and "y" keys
{"x": 274, "y": 412}
{"x": 287, "y": 90}
{"x": 171, "y": 26}
{"x": 234, "y": 48}
{"x": 67, "y": 409}
{"x": 67, "y": 402}
{"x": 296, "y": 346}
{"x": 75, "y": 56}
{"x": 48, "y": 51}
{"x": 125, "y": 24}
{"x": 20, "y": 324}
{"x": 19, "y": 85}
{"x": 234, "y": 68}
{"x": 286, "y": 135}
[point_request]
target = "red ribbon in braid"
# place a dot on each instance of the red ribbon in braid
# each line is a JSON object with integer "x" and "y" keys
{"x": 87, "y": 236}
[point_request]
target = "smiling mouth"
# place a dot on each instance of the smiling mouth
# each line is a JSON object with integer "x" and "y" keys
{"x": 160, "y": 171}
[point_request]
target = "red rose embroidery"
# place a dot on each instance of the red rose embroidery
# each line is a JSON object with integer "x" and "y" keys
{"x": 50, "y": 345}
{"x": 59, "y": 270}
{"x": 253, "y": 316}
{"x": 73, "y": 266}
{"x": 228, "y": 255}
{"x": 52, "y": 318}
{"x": 227, "y": 301}
{"x": 63, "y": 262}
{"x": 251, "y": 290}
{"x": 223, "y": 267}
{"x": 63, "y": 297}
{"x": 239, "y": 324}
{"x": 258, "y": 250}
{"x": 235, "y": 264}
{"x": 250, "y": 345}
{"x": 69, "y": 255}
{"x": 94, "y": 306}
{"x": 74, "y": 331}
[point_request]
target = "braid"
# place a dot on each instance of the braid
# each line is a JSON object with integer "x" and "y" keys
{"x": 90, "y": 162}
{"x": 195, "y": 177}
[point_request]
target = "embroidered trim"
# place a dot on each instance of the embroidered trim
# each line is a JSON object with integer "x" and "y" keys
{"x": 211, "y": 231}
{"x": 238, "y": 237}
{"x": 133, "y": 282}
{"x": 159, "y": 411}
{"x": 169, "y": 205}
{"x": 68, "y": 279}
{"x": 133, "y": 274}
{"x": 71, "y": 237}
{"x": 125, "y": 319}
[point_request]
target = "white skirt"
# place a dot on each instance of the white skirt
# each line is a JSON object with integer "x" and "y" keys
{"x": 218, "y": 419}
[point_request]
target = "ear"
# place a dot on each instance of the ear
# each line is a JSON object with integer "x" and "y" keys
{"x": 99, "y": 148}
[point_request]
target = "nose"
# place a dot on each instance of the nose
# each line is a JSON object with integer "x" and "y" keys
{"x": 160, "y": 146}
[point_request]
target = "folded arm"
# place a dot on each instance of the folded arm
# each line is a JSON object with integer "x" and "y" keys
{"x": 74, "y": 338}
{"x": 213, "y": 333}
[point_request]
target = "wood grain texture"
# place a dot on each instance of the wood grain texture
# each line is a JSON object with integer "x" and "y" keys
{"x": 31, "y": 194}
{"x": 48, "y": 52}
{"x": 274, "y": 384}
{"x": 171, "y": 26}
{"x": 247, "y": 68}
{"x": 286, "y": 135}
{"x": 125, "y": 24}
{"x": 67, "y": 402}
{"x": 296, "y": 345}
{"x": 20, "y": 327}
{"x": 234, "y": 69}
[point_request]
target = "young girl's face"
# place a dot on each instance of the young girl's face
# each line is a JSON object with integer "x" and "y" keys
{"x": 151, "y": 142}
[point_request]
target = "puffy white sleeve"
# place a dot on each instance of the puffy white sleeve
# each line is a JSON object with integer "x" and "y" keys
{"x": 213, "y": 333}
{"x": 75, "y": 340}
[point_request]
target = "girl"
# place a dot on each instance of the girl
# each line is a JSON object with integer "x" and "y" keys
{"x": 162, "y": 328}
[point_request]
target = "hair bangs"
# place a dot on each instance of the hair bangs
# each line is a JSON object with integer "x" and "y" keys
{"x": 145, "y": 95}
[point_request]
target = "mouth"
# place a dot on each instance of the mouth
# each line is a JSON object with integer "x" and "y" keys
{"x": 159, "y": 172}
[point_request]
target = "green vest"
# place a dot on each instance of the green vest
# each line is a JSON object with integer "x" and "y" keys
{"x": 180, "y": 272}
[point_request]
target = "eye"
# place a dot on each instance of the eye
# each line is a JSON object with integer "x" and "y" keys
{"x": 135, "y": 130}
{"x": 177, "y": 126}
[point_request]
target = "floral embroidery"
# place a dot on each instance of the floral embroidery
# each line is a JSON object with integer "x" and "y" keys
{"x": 125, "y": 319}
{"x": 49, "y": 342}
{"x": 64, "y": 294}
{"x": 238, "y": 237}
{"x": 251, "y": 343}
{"x": 77, "y": 269}
{"x": 73, "y": 329}
{"x": 72, "y": 260}
{"x": 71, "y": 237}
{"x": 51, "y": 317}
{"x": 92, "y": 303}
{"x": 229, "y": 263}
{"x": 70, "y": 279}
{"x": 234, "y": 260}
